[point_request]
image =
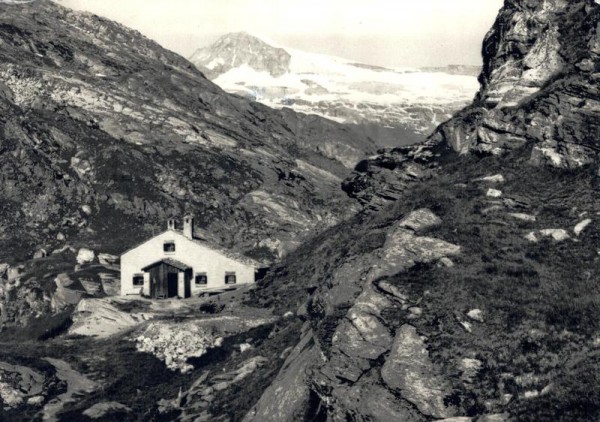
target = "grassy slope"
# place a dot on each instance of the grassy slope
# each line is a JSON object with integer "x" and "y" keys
{"x": 541, "y": 302}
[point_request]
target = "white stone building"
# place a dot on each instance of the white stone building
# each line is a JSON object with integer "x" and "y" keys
{"x": 178, "y": 264}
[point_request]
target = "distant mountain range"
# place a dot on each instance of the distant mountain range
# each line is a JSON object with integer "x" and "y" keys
{"x": 415, "y": 101}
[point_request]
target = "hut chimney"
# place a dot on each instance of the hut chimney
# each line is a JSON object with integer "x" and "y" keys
{"x": 171, "y": 224}
{"x": 188, "y": 226}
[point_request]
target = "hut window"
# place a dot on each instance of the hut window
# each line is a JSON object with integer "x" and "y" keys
{"x": 230, "y": 278}
{"x": 201, "y": 279}
{"x": 169, "y": 246}
{"x": 138, "y": 280}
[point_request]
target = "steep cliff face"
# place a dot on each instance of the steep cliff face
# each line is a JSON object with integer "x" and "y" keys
{"x": 539, "y": 84}
{"x": 539, "y": 91}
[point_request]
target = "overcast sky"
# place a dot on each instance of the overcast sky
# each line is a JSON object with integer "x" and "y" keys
{"x": 380, "y": 32}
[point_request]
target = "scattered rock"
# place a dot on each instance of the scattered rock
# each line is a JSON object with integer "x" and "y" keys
{"x": 244, "y": 347}
{"x": 531, "y": 394}
{"x": 100, "y": 410}
{"x": 496, "y": 178}
{"x": 523, "y": 216}
{"x": 579, "y": 228}
{"x": 547, "y": 389}
{"x": 392, "y": 290}
{"x": 415, "y": 312}
{"x": 446, "y": 262}
{"x": 558, "y": 235}
{"x": 476, "y": 315}
{"x": 107, "y": 259}
{"x": 85, "y": 256}
{"x": 36, "y": 400}
{"x": 494, "y": 193}
{"x": 63, "y": 249}
{"x": 470, "y": 368}
{"x": 41, "y": 253}
{"x": 419, "y": 220}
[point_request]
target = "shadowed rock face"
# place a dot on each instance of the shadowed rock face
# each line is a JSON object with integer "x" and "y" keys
{"x": 104, "y": 134}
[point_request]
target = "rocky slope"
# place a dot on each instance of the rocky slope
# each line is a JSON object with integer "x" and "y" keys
{"x": 105, "y": 135}
{"x": 394, "y": 106}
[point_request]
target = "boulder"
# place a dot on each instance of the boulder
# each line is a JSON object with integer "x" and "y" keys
{"x": 496, "y": 178}
{"x": 107, "y": 259}
{"x": 12, "y": 273}
{"x": 40, "y": 253}
{"x": 470, "y": 368}
{"x": 35, "y": 400}
{"x": 85, "y": 256}
{"x": 558, "y": 235}
{"x": 419, "y": 220}
{"x": 476, "y": 315}
{"x": 104, "y": 409}
{"x": 522, "y": 216}
{"x": 493, "y": 193}
{"x": 446, "y": 262}
{"x": 580, "y": 227}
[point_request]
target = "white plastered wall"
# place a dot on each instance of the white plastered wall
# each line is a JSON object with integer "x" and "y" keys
{"x": 199, "y": 257}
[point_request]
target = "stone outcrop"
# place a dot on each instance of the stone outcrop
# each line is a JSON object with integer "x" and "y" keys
{"x": 409, "y": 370}
{"x": 539, "y": 88}
{"x": 363, "y": 337}
{"x": 539, "y": 85}
{"x": 383, "y": 178}
{"x": 287, "y": 397}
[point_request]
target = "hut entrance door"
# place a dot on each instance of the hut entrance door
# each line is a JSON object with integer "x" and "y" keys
{"x": 172, "y": 284}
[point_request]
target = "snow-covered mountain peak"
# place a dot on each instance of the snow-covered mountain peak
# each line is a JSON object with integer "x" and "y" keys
{"x": 340, "y": 89}
{"x": 241, "y": 49}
